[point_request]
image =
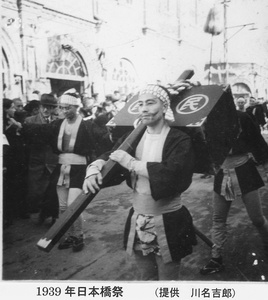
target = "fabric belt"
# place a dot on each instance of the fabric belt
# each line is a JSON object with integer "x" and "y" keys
{"x": 132, "y": 232}
{"x": 66, "y": 160}
{"x": 230, "y": 186}
{"x": 72, "y": 159}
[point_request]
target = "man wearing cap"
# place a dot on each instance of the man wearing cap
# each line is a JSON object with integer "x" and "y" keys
{"x": 71, "y": 139}
{"x": 42, "y": 160}
{"x": 159, "y": 230}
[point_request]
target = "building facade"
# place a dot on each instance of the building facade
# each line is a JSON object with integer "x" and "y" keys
{"x": 98, "y": 46}
{"x": 246, "y": 79}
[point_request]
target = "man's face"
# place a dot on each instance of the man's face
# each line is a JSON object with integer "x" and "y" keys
{"x": 48, "y": 110}
{"x": 252, "y": 101}
{"x": 151, "y": 111}
{"x": 69, "y": 111}
{"x": 35, "y": 111}
{"x": 10, "y": 111}
{"x": 18, "y": 105}
{"x": 240, "y": 103}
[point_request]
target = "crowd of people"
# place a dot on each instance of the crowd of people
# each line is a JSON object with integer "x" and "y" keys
{"x": 258, "y": 110}
{"x": 56, "y": 148}
{"x": 29, "y": 156}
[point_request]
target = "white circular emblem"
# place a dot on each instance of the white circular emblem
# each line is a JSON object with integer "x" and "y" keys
{"x": 134, "y": 108}
{"x": 192, "y": 104}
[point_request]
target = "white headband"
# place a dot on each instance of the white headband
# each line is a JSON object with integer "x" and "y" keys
{"x": 70, "y": 98}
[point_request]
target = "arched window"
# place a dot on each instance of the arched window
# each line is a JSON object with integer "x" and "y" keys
{"x": 67, "y": 63}
{"x": 124, "y": 76}
{"x": 240, "y": 88}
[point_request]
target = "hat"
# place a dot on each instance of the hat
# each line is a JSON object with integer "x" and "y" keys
{"x": 70, "y": 97}
{"x": 48, "y": 99}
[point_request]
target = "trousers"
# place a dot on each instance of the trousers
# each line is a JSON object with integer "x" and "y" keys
{"x": 66, "y": 198}
{"x": 221, "y": 209}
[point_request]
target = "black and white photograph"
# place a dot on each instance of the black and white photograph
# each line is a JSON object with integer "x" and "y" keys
{"x": 134, "y": 149}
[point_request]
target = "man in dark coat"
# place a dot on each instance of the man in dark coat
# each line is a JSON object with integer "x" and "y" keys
{"x": 255, "y": 110}
{"x": 239, "y": 176}
{"x": 159, "y": 230}
{"x": 42, "y": 160}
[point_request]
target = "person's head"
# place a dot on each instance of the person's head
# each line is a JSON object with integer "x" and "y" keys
{"x": 153, "y": 104}
{"x": 116, "y": 95}
{"x": 109, "y": 106}
{"x": 49, "y": 105}
{"x": 32, "y": 107}
{"x": 241, "y": 103}
{"x": 18, "y": 104}
{"x": 98, "y": 109}
{"x": 252, "y": 101}
{"x": 8, "y": 107}
{"x": 69, "y": 104}
{"x": 88, "y": 102}
{"x": 85, "y": 112}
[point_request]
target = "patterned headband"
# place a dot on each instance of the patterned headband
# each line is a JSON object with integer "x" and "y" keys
{"x": 156, "y": 91}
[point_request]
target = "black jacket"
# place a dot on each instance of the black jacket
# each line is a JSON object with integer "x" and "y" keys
{"x": 173, "y": 175}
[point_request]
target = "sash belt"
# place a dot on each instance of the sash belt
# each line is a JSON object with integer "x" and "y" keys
{"x": 66, "y": 160}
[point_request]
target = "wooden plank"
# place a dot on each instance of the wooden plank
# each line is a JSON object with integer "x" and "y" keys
{"x": 47, "y": 242}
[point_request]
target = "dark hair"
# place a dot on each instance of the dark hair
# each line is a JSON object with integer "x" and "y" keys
{"x": 85, "y": 111}
{"x": 32, "y": 105}
{"x": 107, "y": 103}
{"x": 7, "y": 103}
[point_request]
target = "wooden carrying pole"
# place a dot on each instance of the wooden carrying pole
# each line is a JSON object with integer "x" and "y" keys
{"x": 47, "y": 242}
{"x": 54, "y": 234}
{"x": 203, "y": 237}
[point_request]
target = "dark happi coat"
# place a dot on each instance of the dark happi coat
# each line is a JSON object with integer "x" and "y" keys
{"x": 251, "y": 141}
{"x": 169, "y": 178}
{"x": 83, "y": 146}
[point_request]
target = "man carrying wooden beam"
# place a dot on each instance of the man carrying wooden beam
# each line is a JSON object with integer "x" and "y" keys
{"x": 159, "y": 229}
